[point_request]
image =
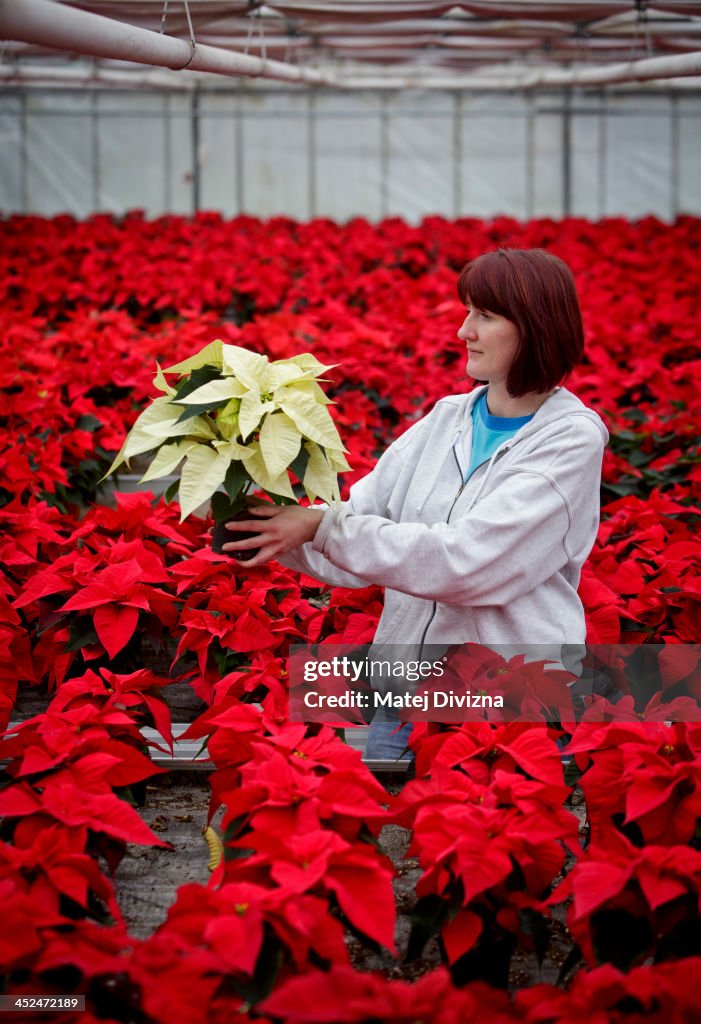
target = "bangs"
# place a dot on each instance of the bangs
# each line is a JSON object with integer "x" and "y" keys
{"x": 488, "y": 283}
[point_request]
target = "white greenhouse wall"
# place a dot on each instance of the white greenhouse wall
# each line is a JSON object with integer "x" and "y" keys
{"x": 285, "y": 151}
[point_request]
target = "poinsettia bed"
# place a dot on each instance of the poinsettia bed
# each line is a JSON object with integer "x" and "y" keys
{"x": 103, "y": 607}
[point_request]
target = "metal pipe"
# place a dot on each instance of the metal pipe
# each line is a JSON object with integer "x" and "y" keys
{"x": 167, "y": 156}
{"x": 457, "y": 154}
{"x": 60, "y": 27}
{"x": 132, "y": 78}
{"x": 95, "y": 151}
{"x": 681, "y": 66}
{"x": 384, "y": 156}
{"x": 311, "y": 154}
{"x": 24, "y": 155}
{"x": 566, "y": 142}
{"x": 674, "y": 143}
{"x": 239, "y": 152}
{"x": 195, "y": 149}
{"x": 530, "y": 156}
{"x": 70, "y": 77}
{"x": 603, "y": 182}
{"x": 56, "y": 25}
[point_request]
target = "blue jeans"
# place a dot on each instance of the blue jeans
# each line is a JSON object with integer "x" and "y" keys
{"x": 388, "y": 737}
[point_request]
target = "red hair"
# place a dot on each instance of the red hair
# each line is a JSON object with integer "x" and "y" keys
{"x": 536, "y": 291}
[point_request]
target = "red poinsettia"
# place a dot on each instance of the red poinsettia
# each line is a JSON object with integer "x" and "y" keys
{"x": 630, "y": 904}
{"x": 344, "y": 996}
{"x": 643, "y": 778}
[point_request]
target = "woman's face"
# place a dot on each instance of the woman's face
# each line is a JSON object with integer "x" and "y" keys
{"x": 492, "y": 342}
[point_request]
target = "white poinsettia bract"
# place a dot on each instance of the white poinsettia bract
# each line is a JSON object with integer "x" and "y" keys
{"x": 232, "y": 417}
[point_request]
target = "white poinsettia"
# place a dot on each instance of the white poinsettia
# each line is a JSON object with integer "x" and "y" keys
{"x": 233, "y": 417}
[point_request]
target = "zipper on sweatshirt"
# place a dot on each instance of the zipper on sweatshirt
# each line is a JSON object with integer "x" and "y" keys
{"x": 503, "y": 448}
{"x": 460, "y": 489}
{"x": 450, "y": 512}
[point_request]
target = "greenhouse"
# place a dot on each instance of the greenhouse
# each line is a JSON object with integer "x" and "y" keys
{"x": 349, "y": 507}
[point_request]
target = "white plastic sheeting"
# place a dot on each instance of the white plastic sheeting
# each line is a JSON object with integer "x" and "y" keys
{"x": 635, "y": 167}
{"x": 349, "y": 133}
{"x": 419, "y": 157}
{"x": 302, "y": 154}
{"x": 276, "y": 165}
{"x": 494, "y": 167}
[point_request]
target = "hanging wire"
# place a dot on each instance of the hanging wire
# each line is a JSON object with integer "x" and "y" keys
{"x": 193, "y": 43}
{"x": 641, "y": 22}
{"x": 290, "y": 56}
{"x": 256, "y": 20}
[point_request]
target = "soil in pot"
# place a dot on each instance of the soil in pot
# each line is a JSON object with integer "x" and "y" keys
{"x": 220, "y": 535}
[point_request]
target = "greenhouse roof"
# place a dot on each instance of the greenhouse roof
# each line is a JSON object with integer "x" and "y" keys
{"x": 353, "y": 43}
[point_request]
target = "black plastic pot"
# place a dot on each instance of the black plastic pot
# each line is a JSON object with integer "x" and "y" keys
{"x": 220, "y": 535}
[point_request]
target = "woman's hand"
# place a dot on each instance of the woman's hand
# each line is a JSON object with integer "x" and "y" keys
{"x": 278, "y": 529}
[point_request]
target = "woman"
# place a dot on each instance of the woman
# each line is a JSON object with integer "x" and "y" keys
{"x": 478, "y": 519}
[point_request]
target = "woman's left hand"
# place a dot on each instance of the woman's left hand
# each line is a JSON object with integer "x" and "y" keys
{"x": 278, "y": 529}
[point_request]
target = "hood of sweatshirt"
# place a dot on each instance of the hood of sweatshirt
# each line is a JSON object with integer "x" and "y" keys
{"x": 556, "y": 410}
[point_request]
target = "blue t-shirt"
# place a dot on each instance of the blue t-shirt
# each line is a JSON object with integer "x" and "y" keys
{"x": 488, "y": 432}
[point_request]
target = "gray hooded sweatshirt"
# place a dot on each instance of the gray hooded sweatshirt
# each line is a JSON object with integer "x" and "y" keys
{"x": 495, "y": 561}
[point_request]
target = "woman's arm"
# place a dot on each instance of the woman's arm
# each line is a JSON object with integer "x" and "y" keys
{"x": 287, "y": 531}
{"x": 542, "y": 516}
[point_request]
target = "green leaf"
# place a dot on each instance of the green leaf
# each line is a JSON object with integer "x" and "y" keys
{"x": 270, "y": 959}
{"x": 88, "y": 423}
{"x": 635, "y": 415}
{"x": 427, "y": 918}
{"x": 625, "y": 486}
{"x": 573, "y": 773}
{"x": 282, "y": 499}
{"x": 223, "y": 507}
{"x": 235, "y": 480}
{"x": 171, "y": 492}
{"x": 572, "y": 960}
{"x": 535, "y": 924}
{"x": 81, "y": 632}
{"x": 190, "y": 411}
{"x": 299, "y": 465}
{"x": 203, "y": 375}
